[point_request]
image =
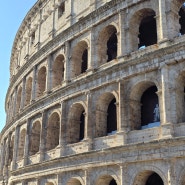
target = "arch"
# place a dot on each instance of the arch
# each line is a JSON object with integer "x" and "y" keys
{"x": 76, "y": 123}
{"x": 74, "y": 181}
{"x": 19, "y": 95}
{"x": 135, "y": 105}
{"x": 11, "y": 150}
{"x": 53, "y": 128}
{"x": 139, "y": 25}
{"x": 79, "y": 59}
{"x": 148, "y": 177}
{"x": 179, "y": 96}
{"x": 107, "y": 44}
{"x": 149, "y": 106}
{"x": 35, "y": 138}
{"x": 28, "y": 91}
{"x": 41, "y": 81}
{"x": 58, "y": 71}
{"x": 106, "y": 115}
{"x": 106, "y": 179}
{"x": 22, "y": 138}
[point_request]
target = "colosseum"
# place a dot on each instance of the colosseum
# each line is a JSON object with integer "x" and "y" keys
{"x": 96, "y": 95}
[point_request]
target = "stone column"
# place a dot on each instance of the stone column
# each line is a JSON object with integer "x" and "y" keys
{"x": 15, "y": 101}
{"x": 67, "y": 63}
{"x": 62, "y": 137}
{"x": 88, "y": 136}
{"x": 92, "y": 57}
{"x": 49, "y": 74}
{"x": 15, "y": 149}
{"x": 2, "y": 155}
{"x": 34, "y": 84}
{"x": 161, "y": 22}
{"x": 124, "y": 174}
{"x": 165, "y": 103}
{"x": 172, "y": 16}
{"x": 121, "y": 35}
{"x": 87, "y": 177}
{"x": 23, "y": 93}
{"x": 43, "y": 136}
{"x": 126, "y": 34}
{"x": 27, "y": 142}
{"x": 69, "y": 12}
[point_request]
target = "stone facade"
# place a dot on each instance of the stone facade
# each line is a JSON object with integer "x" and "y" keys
{"x": 86, "y": 79}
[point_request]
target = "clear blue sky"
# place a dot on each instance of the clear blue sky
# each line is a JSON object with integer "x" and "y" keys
{"x": 11, "y": 15}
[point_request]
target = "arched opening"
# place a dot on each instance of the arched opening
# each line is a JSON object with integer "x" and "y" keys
{"x": 35, "y": 138}
{"x": 154, "y": 179}
{"x": 76, "y": 123}
{"x": 11, "y": 150}
{"x": 74, "y": 181}
{"x": 147, "y": 31}
{"x": 150, "y": 114}
{"x": 79, "y": 59}
{"x": 106, "y": 115}
{"x": 106, "y": 180}
{"x": 58, "y": 71}
{"x": 112, "y": 47}
{"x": 182, "y": 19}
{"x": 41, "y": 82}
{"x": 82, "y": 126}
{"x": 148, "y": 177}
{"x": 19, "y": 95}
{"x": 84, "y": 61}
{"x": 28, "y": 91}
{"x": 107, "y": 44}
{"x": 22, "y": 138}
{"x": 53, "y": 127}
{"x": 111, "y": 117}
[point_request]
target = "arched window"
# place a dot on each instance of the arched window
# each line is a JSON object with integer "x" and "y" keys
{"x": 19, "y": 95}
{"x": 106, "y": 180}
{"x": 22, "y": 138}
{"x": 107, "y": 44}
{"x": 112, "y": 47}
{"x": 84, "y": 61}
{"x": 74, "y": 181}
{"x": 35, "y": 138}
{"x": 52, "y": 138}
{"x": 82, "y": 125}
{"x": 41, "y": 82}
{"x": 58, "y": 71}
{"x": 154, "y": 179}
{"x": 182, "y": 19}
{"x": 150, "y": 115}
{"x": 11, "y": 150}
{"x": 106, "y": 115}
{"x": 111, "y": 117}
{"x": 147, "y": 31}
{"x": 79, "y": 59}
{"x": 76, "y": 123}
{"x": 28, "y": 91}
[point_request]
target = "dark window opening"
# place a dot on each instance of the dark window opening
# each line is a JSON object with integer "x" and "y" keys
{"x": 111, "y": 117}
{"x": 84, "y": 61}
{"x": 33, "y": 38}
{"x": 154, "y": 179}
{"x": 147, "y": 32}
{"x": 112, "y": 182}
{"x": 61, "y": 9}
{"x": 149, "y": 107}
{"x": 112, "y": 47}
{"x": 182, "y": 19}
{"x": 82, "y": 126}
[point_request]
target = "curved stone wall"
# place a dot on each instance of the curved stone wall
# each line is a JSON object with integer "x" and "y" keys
{"x": 86, "y": 82}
